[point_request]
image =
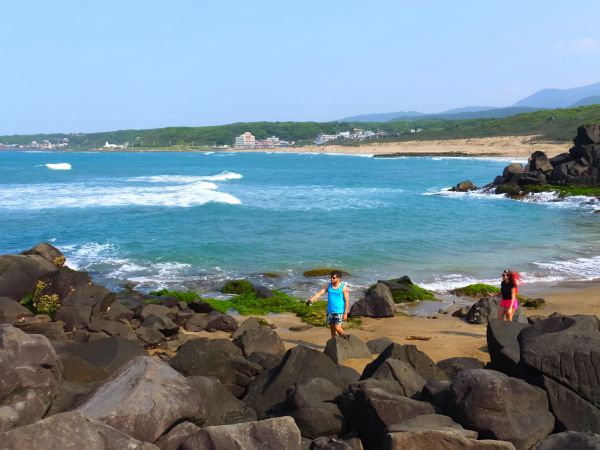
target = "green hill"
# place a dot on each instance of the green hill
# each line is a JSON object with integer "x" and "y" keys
{"x": 554, "y": 124}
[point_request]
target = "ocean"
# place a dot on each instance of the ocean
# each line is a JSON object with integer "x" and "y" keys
{"x": 193, "y": 220}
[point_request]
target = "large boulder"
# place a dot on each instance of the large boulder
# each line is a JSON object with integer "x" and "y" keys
{"x": 429, "y": 422}
{"x": 453, "y": 366}
{"x": 270, "y": 434}
{"x": 19, "y": 274}
{"x": 48, "y": 252}
{"x": 11, "y": 311}
{"x": 70, "y": 430}
{"x": 562, "y": 355}
{"x": 89, "y": 301}
{"x": 144, "y": 399}
{"x": 503, "y": 345}
{"x": 571, "y": 440}
{"x": 312, "y": 404}
{"x": 500, "y": 407}
{"x": 222, "y": 408}
{"x": 30, "y": 376}
{"x": 511, "y": 170}
{"x": 404, "y": 374}
{"x": 422, "y": 363}
{"x": 464, "y": 186}
{"x": 377, "y": 302}
{"x": 262, "y": 340}
{"x": 371, "y": 406}
{"x": 378, "y": 345}
{"x": 347, "y": 346}
{"x": 440, "y": 440}
{"x": 108, "y": 354}
{"x": 299, "y": 364}
{"x": 487, "y": 308}
{"x": 587, "y": 134}
{"x": 217, "y": 358}
{"x": 538, "y": 161}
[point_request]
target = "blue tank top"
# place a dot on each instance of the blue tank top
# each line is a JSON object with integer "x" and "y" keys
{"x": 335, "y": 299}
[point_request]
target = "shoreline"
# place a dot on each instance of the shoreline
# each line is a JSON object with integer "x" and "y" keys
{"x": 499, "y": 146}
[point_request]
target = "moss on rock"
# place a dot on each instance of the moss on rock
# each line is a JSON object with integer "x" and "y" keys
{"x": 404, "y": 290}
{"x": 238, "y": 287}
{"x": 477, "y": 290}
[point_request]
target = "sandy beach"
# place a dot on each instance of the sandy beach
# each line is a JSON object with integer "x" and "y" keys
{"x": 504, "y": 146}
{"x": 448, "y": 336}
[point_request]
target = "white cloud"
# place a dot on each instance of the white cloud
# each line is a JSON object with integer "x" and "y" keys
{"x": 581, "y": 45}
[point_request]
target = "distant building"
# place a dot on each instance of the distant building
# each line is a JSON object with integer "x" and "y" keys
{"x": 245, "y": 141}
{"x": 107, "y": 145}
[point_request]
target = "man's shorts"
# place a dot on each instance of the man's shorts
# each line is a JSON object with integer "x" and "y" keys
{"x": 334, "y": 318}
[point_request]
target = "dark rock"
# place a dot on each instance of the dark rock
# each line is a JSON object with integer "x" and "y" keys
{"x": 201, "y": 307}
{"x": 404, "y": 374}
{"x": 588, "y": 134}
{"x": 377, "y": 302}
{"x": 371, "y": 406}
{"x": 422, "y": 363}
{"x": 252, "y": 323}
{"x": 29, "y": 377}
{"x": 263, "y": 340}
{"x": 345, "y": 347}
{"x": 509, "y": 189}
{"x": 197, "y": 322}
{"x": 263, "y": 292}
{"x": 500, "y": 407}
{"x": 331, "y": 443}
{"x": 312, "y": 405}
{"x": 440, "y": 440}
{"x": 560, "y": 159}
{"x": 20, "y": 273}
{"x": 149, "y": 336}
{"x": 221, "y": 322}
{"x": 452, "y": 366}
{"x": 348, "y": 375}
{"x": 512, "y": 169}
{"x": 436, "y": 393}
{"x": 378, "y": 345}
{"x": 70, "y": 430}
{"x": 215, "y": 357}
{"x": 144, "y": 399}
{"x": 11, "y": 311}
{"x": 161, "y": 311}
{"x": 79, "y": 371}
{"x": 299, "y": 364}
{"x": 161, "y": 323}
{"x": 461, "y": 312}
{"x": 48, "y": 252}
{"x": 80, "y": 306}
{"x": 109, "y": 353}
{"x": 270, "y": 434}
{"x": 112, "y": 328}
{"x": 62, "y": 282}
{"x": 222, "y": 408}
{"x": 184, "y": 316}
{"x": 571, "y": 440}
{"x": 561, "y": 354}
{"x": 464, "y": 186}
{"x": 69, "y": 395}
{"x": 503, "y": 346}
{"x": 119, "y": 310}
{"x": 532, "y": 178}
{"x": 428, "y": 422}
{"x": 266, "y": 360}
{"x": 538, "y": 161}
{"x": 534, "y": 303}
{"x": 52, "y": 330}
{"x": 177, "y": 436}
{"x": 487, "y": 308}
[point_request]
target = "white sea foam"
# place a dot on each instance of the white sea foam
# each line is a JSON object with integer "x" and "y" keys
{"x": 552, "y": 199}
{"x": 59, "y": 166}
{"x": 478, "y": 193}
{"x": 579, "y": 269}
{"x": 82, "y": 195}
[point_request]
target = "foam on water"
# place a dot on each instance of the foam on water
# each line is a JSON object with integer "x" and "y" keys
{"x": 579, "y": 269}
{"x": 83, "y": 195}
{"x": 223, "y": 176}
{"x": 59, "y": 166}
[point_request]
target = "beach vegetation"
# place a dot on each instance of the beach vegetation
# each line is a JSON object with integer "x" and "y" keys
{"x": 564, "y": 191}
{"x": 182, "y": 296}
{"x": 411, "y": 293}
{"x": 238, "y": 287}
{"x": 39, "y": 302}
{"x": 323, "y": 272}
{"x": 477, "y": 290}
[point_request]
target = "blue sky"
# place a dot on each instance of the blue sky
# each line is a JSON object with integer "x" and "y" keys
{"x": 76, "y": 66}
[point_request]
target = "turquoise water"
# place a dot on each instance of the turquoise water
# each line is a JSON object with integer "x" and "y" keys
{"x": 192, "y": 220}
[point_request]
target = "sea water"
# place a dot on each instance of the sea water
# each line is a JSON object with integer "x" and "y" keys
{"x": 193, "y": 220}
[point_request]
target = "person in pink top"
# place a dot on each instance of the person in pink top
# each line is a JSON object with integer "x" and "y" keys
{"x": 508, "y": 295}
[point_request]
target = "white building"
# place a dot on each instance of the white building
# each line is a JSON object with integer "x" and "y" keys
{"x": 245, "y": 141}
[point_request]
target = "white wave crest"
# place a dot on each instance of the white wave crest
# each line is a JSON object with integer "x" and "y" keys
{"x": 59, "y": 166}
{"x": 223, "y": 176}
{"x": 554, "y": 200}
{"x": 82, "y": 195}
{"x": 579, "y": 269}
{"x": 478, "y": 193}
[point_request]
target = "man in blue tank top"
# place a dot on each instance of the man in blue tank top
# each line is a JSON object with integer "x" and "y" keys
{"x": 338, "y": 303}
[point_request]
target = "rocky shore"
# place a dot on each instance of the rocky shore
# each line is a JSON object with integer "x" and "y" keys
{"x": 103, "y": 370}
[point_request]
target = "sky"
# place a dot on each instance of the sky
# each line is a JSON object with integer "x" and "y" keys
{"x": 78, "y": 66}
